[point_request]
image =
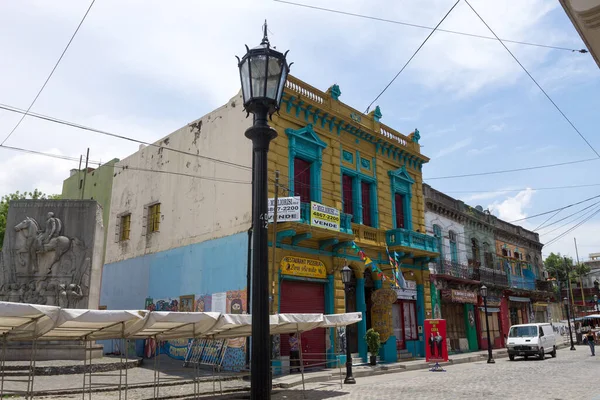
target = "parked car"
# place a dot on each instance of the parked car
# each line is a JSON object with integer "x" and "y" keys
{"x": 531, "y": 340}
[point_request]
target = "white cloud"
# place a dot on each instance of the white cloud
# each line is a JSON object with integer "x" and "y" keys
{"x": 484, "y": 195}
{"x": 483, "y": 150}
{"x": 453, "y": 148}
{"x": 513, "y": 208}
{"x": 496, "y": 127}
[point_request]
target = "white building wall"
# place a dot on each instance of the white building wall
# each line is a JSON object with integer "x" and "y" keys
{"x": 446, "y": 226}
{"x": 193, "y": 210}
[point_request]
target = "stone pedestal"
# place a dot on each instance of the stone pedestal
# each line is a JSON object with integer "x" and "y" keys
{"x": 52, "y": 255}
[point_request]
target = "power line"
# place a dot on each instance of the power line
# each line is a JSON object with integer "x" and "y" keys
{"x": 125, "y": 167}
{"x": 547, "y": 219}
{"x": 534, "y": 81}
{"x": 557, "y": 238}
{"x": 520, "y": 190}
{"x": 411, "y": 57}
{"x": 568, "y": 216}
{"x": 123, "y": 137}
{"x": 551, "y": 211}
{"x": 513, "y": 170}
{"x": 51, "y": 73}
{"x": 427, "y": 27}
{"x": 569, "y": 222}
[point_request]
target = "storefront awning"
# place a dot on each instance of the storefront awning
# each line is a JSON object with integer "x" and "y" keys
{"x": 492, "y": 309}
{"x": 519, "y": 299}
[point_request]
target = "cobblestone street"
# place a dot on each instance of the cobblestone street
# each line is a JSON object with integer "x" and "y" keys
{"x": 572, "y": 375}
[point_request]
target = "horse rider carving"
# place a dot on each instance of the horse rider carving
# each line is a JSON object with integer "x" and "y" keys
{"x": 53, "y": 229}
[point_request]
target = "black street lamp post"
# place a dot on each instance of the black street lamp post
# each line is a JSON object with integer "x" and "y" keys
{"x": 346, "y": 278}
{"x": 566, "y": 302}
{"x": 484, "y": 293}
{"x": 263, "y": 72}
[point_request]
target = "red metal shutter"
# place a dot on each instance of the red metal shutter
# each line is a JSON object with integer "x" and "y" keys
{"x": 304, "y": 297}
{"x": 302, "y": 180}
{"x": 347, "y": 194}
{"x": 399, "y": 205}
{"x": 366, "y": 203}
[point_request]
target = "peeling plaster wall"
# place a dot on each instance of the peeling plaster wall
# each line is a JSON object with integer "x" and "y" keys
{"x": 192, "y": 210}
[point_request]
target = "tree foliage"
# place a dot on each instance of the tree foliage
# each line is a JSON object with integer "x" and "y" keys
{"x": 557, "y": 267}
{"x": 5, "y": 200}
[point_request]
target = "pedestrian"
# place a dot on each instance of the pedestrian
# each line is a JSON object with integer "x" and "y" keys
{"x": 294, "y": 353}
{"x": 591, "y": 342}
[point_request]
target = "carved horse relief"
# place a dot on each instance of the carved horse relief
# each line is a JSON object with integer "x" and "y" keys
{"x": 33, "y": 247}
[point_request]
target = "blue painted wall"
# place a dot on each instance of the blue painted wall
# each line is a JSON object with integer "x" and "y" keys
{"x": 209, "y": 267}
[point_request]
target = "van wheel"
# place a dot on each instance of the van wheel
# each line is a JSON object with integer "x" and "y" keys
{"x": 553, "y": 354}
{"x": 511, "y": 357}
{"x": 542, "y": 355}
{"x": 526, "y": 357}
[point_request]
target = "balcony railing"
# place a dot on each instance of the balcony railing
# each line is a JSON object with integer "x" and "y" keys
{"x": 406, "y": 238}
{"x": 345, "y": 219}
{"x": 454, "y": 270}
{"x": 493, "y": 277}
{"x": 518, "y": 282}
{"x": 363, "y": 232}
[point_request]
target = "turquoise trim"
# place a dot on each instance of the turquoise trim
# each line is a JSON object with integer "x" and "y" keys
{"x": 330, "y": 309}
{"x": 437, "y": 232}
{"x": 357, "y": 178}
{"x": 299, "y": 238}
{"x": 377, "y": 284}
{"x": 388, "y": 352}
{"x": 377, "y": 114}
{"x": 335, "y": 92}
{"x": 421, "y": 319}
{"x": 304, "y": 143}
{"x": 374, "y": 208}
{"x": 347, "y": 157}
{"x": 326, "y": 243}
{"x": 284, "y": 234}
{"x": 401, "y": 183}
{"x": 358, "y": 161}
{"x": 361, "y": 306}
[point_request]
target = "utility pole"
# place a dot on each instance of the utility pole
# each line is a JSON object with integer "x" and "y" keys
{"x": 580, "y": 277}
{"x": 274, "y": 242}
{"x": 87, "y": 158}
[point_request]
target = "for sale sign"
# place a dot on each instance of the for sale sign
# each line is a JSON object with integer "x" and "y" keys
{"x": 324, "y": 217}
{"x": 288, "y": 209}
{"x": 436, "y": 348}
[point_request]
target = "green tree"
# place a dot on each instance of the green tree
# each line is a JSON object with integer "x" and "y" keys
{"x": 4, "y": 202}
{"x": 557, "y": 268}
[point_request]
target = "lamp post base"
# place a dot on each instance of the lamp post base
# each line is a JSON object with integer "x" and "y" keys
{"x": 572, "y": 348}
{"x": 349, "y": 380}
{"x": 491, "y": 361}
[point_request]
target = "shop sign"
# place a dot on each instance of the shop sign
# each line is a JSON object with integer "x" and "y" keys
{"x": 381, "y": 313}
{"x": 288, "y": 209}
{"x": 304, "y": 267}
{"x": 324, "y": 217}
{"x": 436, "y": 348}
{"x": 459, "y": 296}
{"x": 410, "y": 293}
{"x": 492, "y": 301}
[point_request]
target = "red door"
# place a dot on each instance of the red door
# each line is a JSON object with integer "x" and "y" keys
{"x": 304, "y": 297}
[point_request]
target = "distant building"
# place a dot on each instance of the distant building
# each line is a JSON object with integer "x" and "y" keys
{"x": 93, "y": 184}
{"x": 476, "y": 248}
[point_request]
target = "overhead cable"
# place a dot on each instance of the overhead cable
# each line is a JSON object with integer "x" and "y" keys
{"x": 49, "y": 76}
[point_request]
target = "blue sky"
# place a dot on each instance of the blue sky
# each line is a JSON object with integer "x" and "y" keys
{"x": 146, "y": 68}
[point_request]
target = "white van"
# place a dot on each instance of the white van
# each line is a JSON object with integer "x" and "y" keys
{"x": 531, "y": 340}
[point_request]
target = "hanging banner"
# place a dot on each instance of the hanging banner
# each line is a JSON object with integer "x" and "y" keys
{"x": 288, "y": 209}
{"x": 436, "y": 348}
{"x": 305, "y": 267}
{"x": 324, "y": 217}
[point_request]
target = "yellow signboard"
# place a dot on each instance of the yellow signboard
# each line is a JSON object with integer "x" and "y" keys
{"x": 305, "y": 267}
{"x": 324, "y": 217}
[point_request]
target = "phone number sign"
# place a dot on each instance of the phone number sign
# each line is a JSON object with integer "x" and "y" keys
{"x": 288, "y": 209}
{"x": 324, "y": 217}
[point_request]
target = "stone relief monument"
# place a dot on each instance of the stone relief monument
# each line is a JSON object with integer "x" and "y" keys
{"x": 52, "y": 253}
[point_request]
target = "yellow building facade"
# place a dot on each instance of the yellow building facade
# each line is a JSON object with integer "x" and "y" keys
{"x": 359, "y": 183}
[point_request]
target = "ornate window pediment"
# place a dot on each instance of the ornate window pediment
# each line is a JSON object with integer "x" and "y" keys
{"x": 401, "y": 181}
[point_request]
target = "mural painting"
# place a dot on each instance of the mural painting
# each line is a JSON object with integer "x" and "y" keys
{"x": 231, "y": 302}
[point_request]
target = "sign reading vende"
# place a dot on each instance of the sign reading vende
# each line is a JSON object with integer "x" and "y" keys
{"x": 306, "y": 267}
{"x": 288, "y": 209}
{"x": 324, "y": 217}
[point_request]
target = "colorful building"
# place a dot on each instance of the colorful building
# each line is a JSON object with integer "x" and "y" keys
{"x": 181, "y": 210}
{"x": 477, "y": 248}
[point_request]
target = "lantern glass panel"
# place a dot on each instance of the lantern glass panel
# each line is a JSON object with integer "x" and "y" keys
{"x": 257, "y": 72}
{"x": 245, "y": 77}
{"x": 483, "y": 291}
{"x": 273, "y": 77}
{"x": 282, "y": 79}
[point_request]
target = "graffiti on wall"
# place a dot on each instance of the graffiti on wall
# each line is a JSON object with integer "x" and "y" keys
{"x": 231, "y": 302}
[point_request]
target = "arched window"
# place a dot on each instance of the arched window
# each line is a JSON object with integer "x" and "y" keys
{"x": 504, "y": 253}
{"x": 453, "y": 247}
{"x": 437, "y": 232}
{"x": 475, "y": 251}
{"x": 487, "y": 256}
